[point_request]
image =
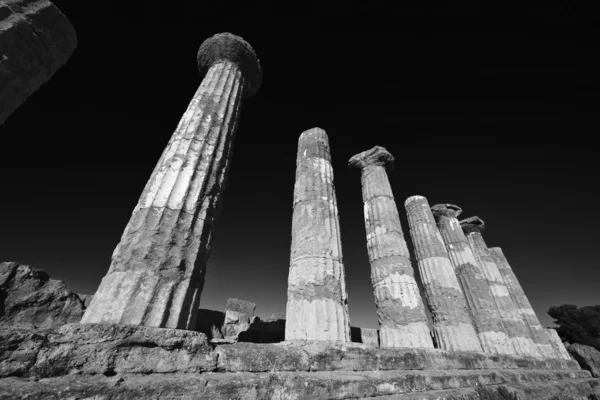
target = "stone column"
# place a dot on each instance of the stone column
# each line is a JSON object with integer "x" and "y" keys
{"x": 514, "y": 325}
{"x": 400, "y": 310}
{"x": 36, "y": 39}
{"x": 157, "y": 271}
{"x": 452, "y": 325}
{"x": 317, "y": 303}
{"x": 538, "y": 334}
{"x": 482, "y": 307}
{"x": 557, "y": 344}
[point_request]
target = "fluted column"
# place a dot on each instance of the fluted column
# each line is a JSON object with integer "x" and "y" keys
{"x": 452, "y": 325}
{"x": 400, "y": 310}
{"x": 480, "y": 302}
{"x": 157, "y": 271}
{"x": 317, "y": 303}
{"x": 514, "y": 325}
{"x": 557, "y": 345}
{"x": 538, "y": 334}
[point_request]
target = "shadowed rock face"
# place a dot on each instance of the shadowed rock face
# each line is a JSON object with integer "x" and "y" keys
{"x": 157, "y": 272}
{"x": 587, "y": 357}
{"x": 29, "y": 298}
{"x": 36, "y": 39}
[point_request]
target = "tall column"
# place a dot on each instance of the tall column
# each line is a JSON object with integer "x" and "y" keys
{"x": 400, "y": 310}
{"x": 36, "y": 39}
{"x": 538, "y": 334}
{"x": 482, "y": 308}
{"x": 452, "y": 325}
{"x": 317, "y": 303}
{"x": 557, "y": 345}
{"x": 157, "y": 271}
{"x": 514, "y": 325}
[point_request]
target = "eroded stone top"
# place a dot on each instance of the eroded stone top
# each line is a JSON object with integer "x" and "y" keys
{"x": 227, "y": 46}
{"x": 472, "y": 224}
{"x": 446, "y": 210}
{"x": 376, "y": 156}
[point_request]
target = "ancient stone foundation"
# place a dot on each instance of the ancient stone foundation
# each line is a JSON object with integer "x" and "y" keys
{"x": 36, "y": 39}
{"x": 452, "y": 326}
{"x": 400, "y": 310}
{"x": 317, "y": 303}
{"x": 157, "y": 271}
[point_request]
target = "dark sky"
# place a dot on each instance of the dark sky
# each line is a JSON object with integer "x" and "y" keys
{"x": 494, "y": 110}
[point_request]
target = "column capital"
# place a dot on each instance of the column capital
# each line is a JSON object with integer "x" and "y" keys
{"x": 376, "y": 156}
{"x": 446, "y": 210}
{"x": 472, "y": 224}
{"x": 227, "y": 46}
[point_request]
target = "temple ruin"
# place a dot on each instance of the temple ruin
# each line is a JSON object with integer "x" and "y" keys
{"x": 144, "y": 325}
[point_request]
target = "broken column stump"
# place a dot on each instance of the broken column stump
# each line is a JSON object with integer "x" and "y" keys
{"x": 36, "y": 39}
{"x": 452, "y": 325}
{"x": 317, "y": 302}
{"x": 239, "y": 316}
{"x": 157, "y": 270}
{"x": 400, "y": 309}
{"x": 482, "y": 307}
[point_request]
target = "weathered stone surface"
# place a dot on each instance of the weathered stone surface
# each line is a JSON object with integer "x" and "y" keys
{"x": 557, "y": 344}
{"x": 482, "y": 307}
{"x": 587, "y": 357}
{"x": 400, "y": 309}
{"x": 452, "y": 325}
{"x": 36, "y": 40}
{"x": 86, "y": 299}
{"x": 157, "y": 270}
{"x": 29, "y": 298}
{"x": 239, "y": 316}
{"x": 537, "y": 332}
{"x": 105, "y": 349}
{"x": 285, "y": 385}
{"x": 514, "y": 325}
{"x": 317, "y": 304}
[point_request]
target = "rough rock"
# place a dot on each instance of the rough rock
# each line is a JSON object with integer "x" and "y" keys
{"x": 85, "y": 299}
{"x": 452, "y": 325}
{"x": 400, "y": 310}
{"x": 317, "y": 299}
{"x": 368, "y": 336}
{"x": 36, "y": 40}
{"x": 239, "y": 320}
{"x": 587, "y": 357}
{"x": 29, "y": 298}
{"x": 157, "y": 271}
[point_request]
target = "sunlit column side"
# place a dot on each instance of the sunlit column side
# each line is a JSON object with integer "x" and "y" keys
{"x": 400, "y": 310}
{"x": 514, "y": 325}
{"x": 538, "y": 333}
{"x": 317, "y": 305}
{"x": 157, "y": 270}
{"x": 452, "y": 325}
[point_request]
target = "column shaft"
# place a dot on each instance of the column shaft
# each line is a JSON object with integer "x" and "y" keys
{"x": 514, "y": 325}
{"x": 452, "y": 325}
{"x": 157, "y": 270}
{"x": 557, "y": 344}
{"x": 478, "y": 295}
{"x": 317, "y": 307}
{"x": 400, "y": 310}
{"x": 538, "y": 334}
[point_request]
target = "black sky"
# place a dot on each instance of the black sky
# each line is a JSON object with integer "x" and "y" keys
{"x": 494, "y": 110}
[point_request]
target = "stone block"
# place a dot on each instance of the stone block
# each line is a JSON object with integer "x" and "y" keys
{"x": 587, "y": 357}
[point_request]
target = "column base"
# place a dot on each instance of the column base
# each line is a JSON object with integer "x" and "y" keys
{"x": 415, "y": 334}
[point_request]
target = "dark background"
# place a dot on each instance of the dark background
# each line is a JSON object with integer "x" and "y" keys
{"x": 492, "y": 109}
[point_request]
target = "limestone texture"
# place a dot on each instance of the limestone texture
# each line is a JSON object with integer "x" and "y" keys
{"x": 317, "y": 302}
{"x": 452, "y": 325}
{"x": 557, "y": 344}
{"x": 36, "y": 39}
{"x": 514, "y": 325}
{"x": 29, "y": 298}
{"x": 537, "y": 331}
{"x": 367, "y": 336}
{"x": 481, "y": 305}
{"x": 239, "y": 316}
{"x": 587, "y": 357}
{"x": 157, "y": 270}
{"x": 400, "y": 309}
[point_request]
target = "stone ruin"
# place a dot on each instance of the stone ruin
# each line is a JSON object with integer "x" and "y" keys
{"x": 139, "y": 336}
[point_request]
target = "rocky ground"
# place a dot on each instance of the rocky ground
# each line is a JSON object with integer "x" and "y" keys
{"x": 55, "y": 357}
